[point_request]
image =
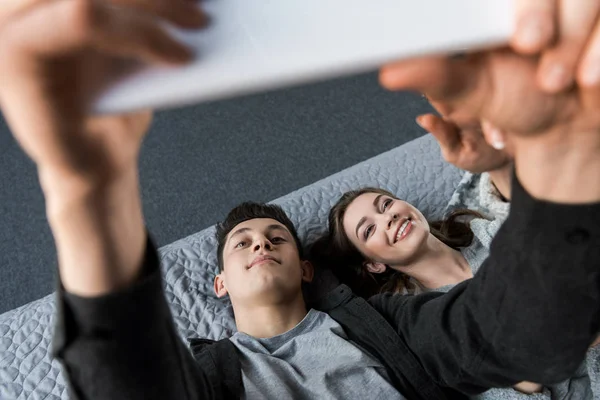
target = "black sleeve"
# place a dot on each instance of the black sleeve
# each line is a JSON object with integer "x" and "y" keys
{"x": 530, "y": 313}
{"x": 124, "y": 345}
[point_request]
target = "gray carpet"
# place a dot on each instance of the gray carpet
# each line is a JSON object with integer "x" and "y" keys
{"x": 198, "y": 162}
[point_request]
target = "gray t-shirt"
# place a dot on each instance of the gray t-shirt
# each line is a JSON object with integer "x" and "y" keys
{"x": 314, "y": 360}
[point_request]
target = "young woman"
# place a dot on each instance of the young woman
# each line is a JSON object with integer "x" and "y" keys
{"x": 388, "y": 245}
{"x": 383, "y": 243}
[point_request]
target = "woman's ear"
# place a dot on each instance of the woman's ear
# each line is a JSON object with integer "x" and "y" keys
{"x": 308, "y": 271}
{"x": 375, "y": 267}
{"x": 219, "y": 286}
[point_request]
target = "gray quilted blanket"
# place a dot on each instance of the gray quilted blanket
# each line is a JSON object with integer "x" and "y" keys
{"x": 415, "y": 172}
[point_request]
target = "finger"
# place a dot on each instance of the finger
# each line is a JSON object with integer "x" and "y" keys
{"x": 8, "y": 8}
{"x": 452, "y": 113}
{"x": 415, "y": 75}
{"x": 559, "y": 64}
{"x": 61, "y": 30}
{"x": 445, "y": 133}
{"x": 535, "y": 26}
{"x": 443, "y": 79}
{"x": 443, "y": 108}
{"x": 127, "y": 33}
{"x": 493, "y": 135}
{"x": 183, "y": 13}
{"x": 588, "y": 74}
{"x": 589, "y": 100}
{"x": 93, "y": 25}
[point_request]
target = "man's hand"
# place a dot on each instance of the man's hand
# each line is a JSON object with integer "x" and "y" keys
{"x": 467, "y": 144}
{"x": 567, "y": 34}
{"x": 498, "y": 86}
{"x": 555, "y": 136}
{"x": 515, "y": 89}
{"x": 54, "y": 54}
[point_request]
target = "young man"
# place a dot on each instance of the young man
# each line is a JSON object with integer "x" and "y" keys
{"x": 115, "y": 336}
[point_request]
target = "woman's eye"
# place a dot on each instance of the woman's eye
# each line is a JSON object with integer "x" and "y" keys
{"x": 277, "y": 240}
{"x": 368, "y": 231}
{"x": 240, "y": 244}
{"x": 387, "y": 203}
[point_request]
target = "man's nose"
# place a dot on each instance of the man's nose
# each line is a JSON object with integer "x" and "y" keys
{"x": 263, "y": 244}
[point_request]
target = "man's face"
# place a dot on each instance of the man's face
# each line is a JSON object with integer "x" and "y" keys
{"x": 261, "y": 264}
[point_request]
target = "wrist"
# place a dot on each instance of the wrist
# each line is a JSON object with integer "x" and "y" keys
{"x": 98, "y": 229}
{"x": 560, "y": 167}
{"x": 64, "y": 187}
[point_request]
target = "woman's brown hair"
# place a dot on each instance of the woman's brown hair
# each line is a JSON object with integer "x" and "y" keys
{"x": 337, "y": 252}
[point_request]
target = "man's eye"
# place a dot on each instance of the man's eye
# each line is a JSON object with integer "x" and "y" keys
{"x": 240, "y": 245}
{"x": 368, "y": 231}
{"x": 277, "y": 240}
{"x": 387, "y": 203}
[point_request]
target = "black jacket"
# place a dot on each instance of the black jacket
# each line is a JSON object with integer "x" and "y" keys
{"x": 530, "y": 313}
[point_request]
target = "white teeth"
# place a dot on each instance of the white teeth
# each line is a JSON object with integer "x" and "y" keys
{"x": 402, "y": 229}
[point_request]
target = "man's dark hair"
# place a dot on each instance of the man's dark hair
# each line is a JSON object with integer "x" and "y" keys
{"x": 247, "y": 211}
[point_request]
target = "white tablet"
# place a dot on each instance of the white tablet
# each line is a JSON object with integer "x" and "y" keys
{"x": 255, "y": 45}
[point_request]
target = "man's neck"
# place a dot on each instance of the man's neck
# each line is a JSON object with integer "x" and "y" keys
{"x": 439, "y": 265}
{"x": 268, "y": 320}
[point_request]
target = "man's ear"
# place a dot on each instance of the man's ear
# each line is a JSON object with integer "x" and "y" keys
{"x": 219, "y": 286}
{"x": 375, "y": 267}
{"x": 308, "y": 271}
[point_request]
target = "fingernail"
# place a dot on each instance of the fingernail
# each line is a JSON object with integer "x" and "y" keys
{"x": 530, "y": 33}
{"x": 420, "y": 121}
{"x": 591, "y": 74}
{"x": 493, "y": 135}
{"x": 497, "y": 139}
{"x": 556, "y": 77}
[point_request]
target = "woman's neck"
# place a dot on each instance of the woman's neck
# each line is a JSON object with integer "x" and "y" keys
{"x": 502, "y": 178}
{"x": 439, "y": 265}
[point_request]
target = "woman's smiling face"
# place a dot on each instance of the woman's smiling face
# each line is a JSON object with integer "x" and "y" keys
{"x": 385, "y": 229}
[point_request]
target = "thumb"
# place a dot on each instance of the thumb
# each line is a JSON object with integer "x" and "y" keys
{"x": 445, "y": 133}
{"x": 439, "y": 78}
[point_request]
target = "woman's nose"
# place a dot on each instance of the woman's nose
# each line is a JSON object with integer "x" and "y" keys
{"x": 393, "y": 218}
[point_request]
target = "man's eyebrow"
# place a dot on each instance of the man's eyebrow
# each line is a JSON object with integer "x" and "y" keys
{"x": 238, "y": 232}
{"x": 274, "y": 227}
{"x": 270, "y": 228}
{"x": 363, "y": 219}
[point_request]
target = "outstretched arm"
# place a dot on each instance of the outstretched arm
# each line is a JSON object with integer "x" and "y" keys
{"x": 531, "y": 311}
{"x": 114, "y": 335}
